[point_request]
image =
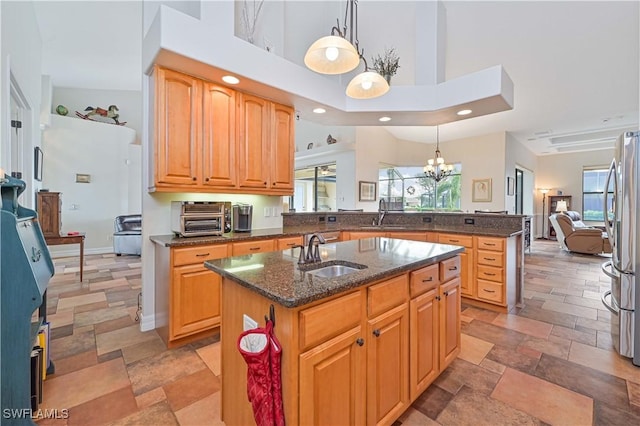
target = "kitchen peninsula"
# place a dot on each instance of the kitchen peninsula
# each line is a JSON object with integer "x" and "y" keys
{"x": 366, "y": 344}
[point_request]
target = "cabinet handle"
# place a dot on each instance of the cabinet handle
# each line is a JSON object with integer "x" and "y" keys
{"x": 489, "y": 274}
{"x": 437, "y": 297}
{"x": 360, "y": 341}
{"x": 489, "y": 244}
{"x": 254, "y": 248}
{"x": 453, "y": 268}
{"x": 488, "y": 291}
{"x": 274, "y": 184}
{"x": 291, "y": 244}
{"x": 454, "y": 241}
{"x": 376, "y": 333}
{"x": 206, "y": 179}
{"x": 202, "y": 254}
{"x": 193, "y": 178}
{"x": 428, "y": 280}
{"x": 446, "y": 293}
{"x": 489, "y": 258}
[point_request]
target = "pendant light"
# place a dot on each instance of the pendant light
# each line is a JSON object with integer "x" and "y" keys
{"x": 335, "y": 54}
{"x": 436, "y": 168}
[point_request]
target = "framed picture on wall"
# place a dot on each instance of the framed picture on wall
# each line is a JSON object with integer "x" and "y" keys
{"x": 38, "y": 158}
{"x": 481, "y": 190}
{"x": 367, "y": 191}
{"x": 511, "y": 186}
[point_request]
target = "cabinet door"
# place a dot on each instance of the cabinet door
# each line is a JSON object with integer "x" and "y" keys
{"x": 195, "y": 300}
{"x": 449, "y": 322}
{"x": 333, "y": 382}
{"x": 48, "y": 205}
{"x": 423, "y": 342}
{"x": 282, "y": 147}
{"x": 178, "y": 128}
{"x": 219, "y": 137}
{"x": 254, "y": 157}
{"x": 468, "y": 287}
{"x": 388, "y": 366}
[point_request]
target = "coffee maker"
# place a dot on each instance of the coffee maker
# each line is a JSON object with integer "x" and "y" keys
{"x": 242, "y": 215}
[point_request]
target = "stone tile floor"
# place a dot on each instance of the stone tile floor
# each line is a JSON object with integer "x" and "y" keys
{"x": 550, "y": 362}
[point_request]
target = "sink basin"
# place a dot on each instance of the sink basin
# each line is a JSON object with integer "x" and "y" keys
{"x": 332, "y": 268}
{"x": 333, "y": 271}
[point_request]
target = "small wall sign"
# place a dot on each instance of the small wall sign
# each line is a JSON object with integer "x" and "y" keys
{"x": 82, "y": 178}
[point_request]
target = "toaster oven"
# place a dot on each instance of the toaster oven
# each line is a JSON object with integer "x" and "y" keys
{"x": 200, "y": 218}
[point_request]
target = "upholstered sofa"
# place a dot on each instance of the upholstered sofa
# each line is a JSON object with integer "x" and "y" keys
{"x": 127, "y": 235}
{"x": 573, "y": 235}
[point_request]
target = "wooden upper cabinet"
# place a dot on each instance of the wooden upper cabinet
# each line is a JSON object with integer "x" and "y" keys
{"x": 253, "y": 147}
{"x": 178, "y": 118}
{"x": 219, "y": 136}
{"x": 282, "y": 147}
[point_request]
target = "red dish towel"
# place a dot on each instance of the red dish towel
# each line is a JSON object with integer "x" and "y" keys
{"x": 262, "y": 353}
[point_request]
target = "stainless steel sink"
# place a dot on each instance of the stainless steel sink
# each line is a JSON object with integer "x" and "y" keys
{"x": 333, "y": 271}
{"x": 332, "y": 268}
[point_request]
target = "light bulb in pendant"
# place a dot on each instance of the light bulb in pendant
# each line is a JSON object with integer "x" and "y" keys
{"x": 366, "y": 84}
{"x": 331, "y": 53}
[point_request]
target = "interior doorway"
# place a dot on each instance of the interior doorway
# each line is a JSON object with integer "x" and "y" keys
{"x": 525, "y": 194}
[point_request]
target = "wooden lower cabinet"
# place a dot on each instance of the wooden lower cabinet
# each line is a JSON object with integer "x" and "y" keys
{"x": 450, "y": 305}
{"x": 333, "y": 375}
{"x": 351, "y": 359}
{"x": 195, "y": 300}
{"x": 388, "y": 366}
{"x": 188, "y": 295}
{"x": 424, "y": 315}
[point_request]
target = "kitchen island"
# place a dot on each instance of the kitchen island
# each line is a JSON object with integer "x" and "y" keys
{"x": 356, "y": 348}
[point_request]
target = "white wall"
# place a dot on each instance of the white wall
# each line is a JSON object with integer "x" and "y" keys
{"x": 71, "y": 146}
{"x": 516, "y": 154}
{"x": 21, "y": 55}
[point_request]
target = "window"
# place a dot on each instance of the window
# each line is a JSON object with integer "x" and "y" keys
{"x": 593, "y": 194}
{"x": 408, "y": 189}
{"x": 315, "y": 189}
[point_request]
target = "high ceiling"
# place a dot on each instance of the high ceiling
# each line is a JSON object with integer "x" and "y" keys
{"x": 574, "y": 65}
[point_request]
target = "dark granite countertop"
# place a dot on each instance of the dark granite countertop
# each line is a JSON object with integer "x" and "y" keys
{"x": 291, "y": 231}
{"x": 277, "y": 275}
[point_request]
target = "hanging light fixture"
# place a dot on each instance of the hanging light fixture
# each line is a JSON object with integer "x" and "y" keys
{"x": 436, "y": 168}
{"x": 335, "y": 54}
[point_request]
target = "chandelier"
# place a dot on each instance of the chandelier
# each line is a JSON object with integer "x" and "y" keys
{"x": 436, "y": 169}
{"x": 334, "y": 54}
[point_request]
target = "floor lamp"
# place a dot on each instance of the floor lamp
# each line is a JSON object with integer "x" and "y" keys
{"x": 544, "y": 212}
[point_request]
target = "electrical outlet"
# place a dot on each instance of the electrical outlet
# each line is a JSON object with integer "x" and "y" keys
{"x": 248, "y": 323}
{"x": 332, "y": 218}
{"x": 426, "y": 219}
{"x": 469, "y": 221}
{"x": 267, "y": 211}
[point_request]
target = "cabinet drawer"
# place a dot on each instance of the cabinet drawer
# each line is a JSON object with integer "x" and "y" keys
{"x": 456, "y": 240}
{"x": 250, "y": 247}
{"x": 322, "y": 322}
{"x": 414, "y": 236}
{"x": 490, "y": 273}
{"x": 386, "y": 295}
{"x": 285, "y": 243}
{"x": 490, "y": 258}
{"x": 490, "y": 291}
{"x": 487, "y": 243}
{"x": 450, "y": 268}
{"x": 424, "y": 280}
{"x": 190, "y": 255}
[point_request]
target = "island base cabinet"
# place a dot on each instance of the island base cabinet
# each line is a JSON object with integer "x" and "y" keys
{"x": 388, "y": 366}
{"x": 450, "y": 304}
{"x": 423, "y": 329}
{"x": 333, "y": 375}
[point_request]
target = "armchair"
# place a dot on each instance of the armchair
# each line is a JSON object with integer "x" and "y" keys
{"x": 127, "y": 235}
{"x": 575, "y": 236}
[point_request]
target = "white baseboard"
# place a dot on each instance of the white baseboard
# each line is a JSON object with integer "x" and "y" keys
{"x": 147, "y": 322}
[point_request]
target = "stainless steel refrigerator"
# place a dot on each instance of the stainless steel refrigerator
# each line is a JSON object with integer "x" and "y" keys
{"x": 621, "y": 222}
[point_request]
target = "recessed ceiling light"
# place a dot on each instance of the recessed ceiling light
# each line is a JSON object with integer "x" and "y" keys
{"x": 230, "y": 79}
{"x": 319, "y": 110}
{"x": 464, "y": 112}
{"x": 384, "y": 119}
